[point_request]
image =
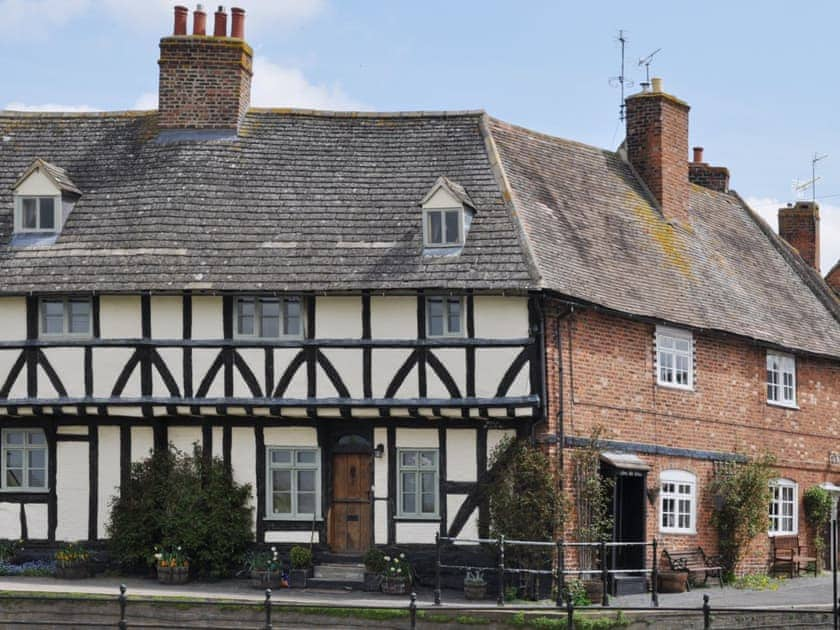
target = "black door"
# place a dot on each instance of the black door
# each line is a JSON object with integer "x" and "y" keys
{"x": 629, "y": 512}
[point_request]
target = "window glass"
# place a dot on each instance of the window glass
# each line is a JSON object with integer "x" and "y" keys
{"x": 29, "y": 220}
{"x": 47, "y": 213}
{"x": 781, "y": 379}
{"x": 269, "y": 318}
{"x": 295, "y": 486}
{"x": 52, "y": 314}
{"x": 677, "y": 502}
{"x": 291, "y": 324}
{"x": 418, "y": 480}
{"x": 452, "y": 232}
{"x": 79, "y": 316}
{"x": 435, "y": 228}
{"x": 24, "y": 460}
{"x": 674, "y": 358}
{"x": 435, "y": 316}
{"x": 782, "y": 510}
{"x": 454, "y": 315}
{"x": 245, "y": 316}
{"x": 443, "y": 316}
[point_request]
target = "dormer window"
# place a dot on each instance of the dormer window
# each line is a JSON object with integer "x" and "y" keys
{"x": 447, "y": 214}
{"x": 44, "y": 196}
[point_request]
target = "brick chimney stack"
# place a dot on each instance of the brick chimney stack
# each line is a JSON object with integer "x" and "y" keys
{"x": 657, "y": 147}
{"x": 700, "y": 173}
{"x": 799, "y": 225}
{"x": 205, "y": 81}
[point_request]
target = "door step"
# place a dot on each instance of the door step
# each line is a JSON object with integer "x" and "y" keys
{"x": 629, "y": 585}
{"x": 344, "y": 573}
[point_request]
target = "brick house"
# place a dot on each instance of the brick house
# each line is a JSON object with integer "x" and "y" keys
{"x": 352, "y": 309}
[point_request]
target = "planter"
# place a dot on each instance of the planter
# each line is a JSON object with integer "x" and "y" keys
{"x": 475, "y": 591}
{"x": 672, "y": 581}
{"x": 594, "y": 590}
{"x": 373, "y": 582}
{"x": 173, "y": 575}
{"x": 72, "y": 571}
{"x": 396, "y": 585}
{"x": 265, "y": 579}
{"x": 297, "y": 578}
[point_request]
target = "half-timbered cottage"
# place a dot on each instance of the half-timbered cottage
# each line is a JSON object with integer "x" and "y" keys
{"x": 353, "y": 309}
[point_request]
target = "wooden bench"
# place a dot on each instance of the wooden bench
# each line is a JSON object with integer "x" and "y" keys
{"x": 694, "y": 562}
{"x": 788, "y": 553}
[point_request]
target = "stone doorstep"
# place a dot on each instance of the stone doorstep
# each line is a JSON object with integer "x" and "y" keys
{"x": 340, "y": 572}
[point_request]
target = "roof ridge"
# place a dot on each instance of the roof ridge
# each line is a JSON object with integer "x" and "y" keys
{"x": 548, "y": 136}
{"x": 327, "y": 113}
{"x": 128, "y": 113}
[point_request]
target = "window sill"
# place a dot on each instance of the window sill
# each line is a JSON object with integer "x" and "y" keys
{"x": 409, "y": 518}
{"x": 681, "y": 388}
{"x": 679, "y": 532}
{"x": 296, "y": 519}
{"x": 774, "y": 534}
{"x": 793, "y": 406}
{"x": 24, "y": 490}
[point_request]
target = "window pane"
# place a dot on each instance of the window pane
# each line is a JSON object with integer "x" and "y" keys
{"x": 306, "y": 503}
{"x": 409, "y": 482}
{"x": 306, "y": 480}
{"x": 306, "y": 457}
{"x": 37, "y": 458}
{"x": 681, "y": 344}
{"x": 14, "y": 478}
{"x": 427, "y": 458}
{"x": 29, "y": 220}
{"x": 14, "y": 437}
{"x": 281, "y": 457}
{"x": 454, "y": 315}
{"x": 37, "y": 479}
{"x": 14, "y": 459}
{"x": 291, "y": 323}
{"x": 245, "y": 324}
{"x": 428, "y": 504}
{"x": 269, "y": 326}
{"x": 408, "y": 458}
{"x": 427, "y": 482}
{"x": 47, "y": 213}
{"x": 282, "y": 503}
{"x": 79, "y": 316}
{"x": 281, "y": 480}
{"x": 52, "y": 312}
{"x": 435, "y": 316}
{"x": 409, "y": 504}
{"x": 435, "y": 235}
{"x": 452, "y": 232}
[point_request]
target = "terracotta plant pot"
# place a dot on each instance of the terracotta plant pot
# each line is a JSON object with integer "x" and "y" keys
{"x": 373, "y": 582}
{"x": 475, "y": 591}
{"x": 396, "y": 585}
{"x": 76, "y": 571}
{"x": 594, "y": 590}
{"x": 672, "y": 581}
{"x": 265, "y": 579}
{"x": 173, "y": 575}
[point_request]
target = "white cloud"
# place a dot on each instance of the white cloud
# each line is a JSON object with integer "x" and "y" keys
{"x": 148, "y": 14}
{"x": 281, "y": 86}
{"x": 768, "y": 208}
{"x": 48, "y": 107}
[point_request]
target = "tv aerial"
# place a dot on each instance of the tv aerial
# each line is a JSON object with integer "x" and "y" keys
{"x": 799, "y": 187}
{"x": 646, "y": 61}
{"x": 621, "y": 80}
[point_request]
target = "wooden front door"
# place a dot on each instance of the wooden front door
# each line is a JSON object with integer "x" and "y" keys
{"x": 350, "y": 513}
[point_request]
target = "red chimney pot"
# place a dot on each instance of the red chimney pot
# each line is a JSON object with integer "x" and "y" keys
{"x": 698, "y": 154}
{"x": 237, "y": 28}
{"x": 181, "y": 20}
{"x": 220, "y": 24}
{"x": 199, "y": 21}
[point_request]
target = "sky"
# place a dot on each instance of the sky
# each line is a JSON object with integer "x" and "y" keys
{"x": 761, "y": 83}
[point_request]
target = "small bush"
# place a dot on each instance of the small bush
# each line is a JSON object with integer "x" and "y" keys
{"x": 172, "y": 499}
{"x": 300, "y": 557}
{"x": 817, "y": 502}
{"x": 9, "y": 549}
{"x": 756, "y": 582}
{"x": 374, "y": 561}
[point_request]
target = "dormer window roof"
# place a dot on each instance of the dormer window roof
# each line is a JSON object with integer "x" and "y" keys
{"x": 43, "y": 197}
{"x": 447, "y": 214}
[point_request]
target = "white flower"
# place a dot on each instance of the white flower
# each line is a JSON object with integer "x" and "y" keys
{"x": 392, "y": 569}
{"x": 274, "y": 549}
{"x": 158, "y": 556}
{"x": 387, "y": 558}
{"x": 179, "y": 547}
{"x": 402, "y": 555}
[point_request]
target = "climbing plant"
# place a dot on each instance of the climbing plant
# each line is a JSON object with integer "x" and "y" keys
{"x": 817, "y": 503}
{"x": 592, "y": 498}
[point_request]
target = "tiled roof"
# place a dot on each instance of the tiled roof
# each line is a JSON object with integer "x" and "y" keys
{"x": 300, "y": 201}
{"x": 57, "y": 174}
{"x": 596, "y": 236}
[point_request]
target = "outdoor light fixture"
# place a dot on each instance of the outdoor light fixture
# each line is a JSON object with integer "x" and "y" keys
{"x": 379, "y": 451}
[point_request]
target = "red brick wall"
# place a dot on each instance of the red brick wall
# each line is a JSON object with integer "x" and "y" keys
{"x": 205, "y": 82}
{"x": 800, "y": 226}
{"x": 657, "y": 147}
{"x": 609, "y": 382}
{"x": 833, "y": 278}
{"x": 714, "y": 177}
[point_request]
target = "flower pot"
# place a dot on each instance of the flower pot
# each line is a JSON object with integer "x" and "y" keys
{"x": 75, "y": 571}
{"x": 672, "y": 581}
{"x": 395, "y": 585}
{"x": 173, "y": 575}
{"x": 297, "y": 578}
{"x": 373, "y": 582}
{"x": 594, "y": 590}
{"x": 265, "y": 579}
{"x": 475, "y": 591}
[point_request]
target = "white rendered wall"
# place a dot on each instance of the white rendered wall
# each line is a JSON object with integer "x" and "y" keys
{"x": 7, "y": 360}
{"x": 202, "y": 359}
{"x": 9, "y": 520}
{"x": 453, "y": 504}
{"x": 207, "y": 317}
{"x": 290, "y": 436}
{"x": 167, "y": 317}
{"x": 291, "y": 537}
{"x": 119, "y": 317}
{"x": 384, "y": 365}
{"x": 455, "y": 362}
{"x": 37, "y": 184}
{"x": 72, "y": 490}
{"x": 461, "y": 462}
{"x": 36, "y": 521}
{"x": 69, "y": 366}
{"x": 348, "y": 364}
{"x": 218, "y": 442}
{"x": 13, "y": 316}
{"x": 393, "y": 317}
{"x": 442, "y": 199}
{"x": 494, "y": 436}
{"x": 109, "y": 474}
{"x": 183, "y": 438}
{"x": 417, "y": 533}
{"x": 76, "y": 429}
{"x": 500, "y": 317}
{"x": 380, "y": 522}
{"x": 417, "y": 438}
{"x": 142, "y": 443}
{"x": 107, "y": 366}
{"x": 255, "y": 359}
{"x": 243, "y": 462}
{"x": 492, "y": 364}
{"x": 338, "y": 317}
{"x": 173, "y": 358}
{"x": 297, "y": 386}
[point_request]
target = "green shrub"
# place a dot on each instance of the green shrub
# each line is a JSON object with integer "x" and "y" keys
{"x": 817, "y": 503}
{"x": 756, "y": 582}
{"x": 374, "y": 561}
{"x": 300, "y": 557}
{"x": 172, "y": 499}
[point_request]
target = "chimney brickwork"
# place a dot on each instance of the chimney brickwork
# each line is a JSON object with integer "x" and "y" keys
{"x": 702, "y": 174}
{"x": 799, "y": 225}
{"x": 657, "y": 147}
{"x": 205, "y": 81}
{"x": 833, "y": 278}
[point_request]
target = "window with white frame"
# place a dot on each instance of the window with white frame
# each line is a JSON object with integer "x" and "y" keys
{"x": 443, "y": 227}
{"x": 677, "y": 502}
{"x": 269, "y": 317}
{"x": 418, "y": 482}
{"x": 294, "y": 483}
{"x": 444, "y": 317}
{"x": 781, "y": 379}
{"x": 66, "y": 316}
{"x": 784, "y": 512}
{"x": 674, "y": 358}
{"x": 37, "y": 214}
{"x": 24, "y": 460}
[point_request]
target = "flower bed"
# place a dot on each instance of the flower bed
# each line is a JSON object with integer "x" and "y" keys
{"x": 37, "y": 568}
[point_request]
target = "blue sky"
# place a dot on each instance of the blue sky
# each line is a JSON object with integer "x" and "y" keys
{"x": 761, "y": 83}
